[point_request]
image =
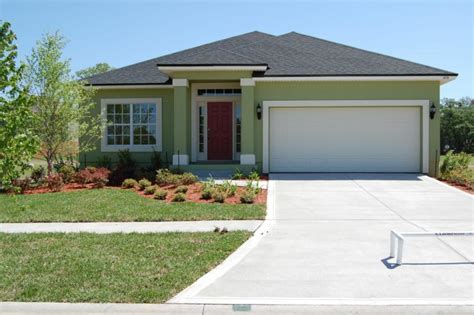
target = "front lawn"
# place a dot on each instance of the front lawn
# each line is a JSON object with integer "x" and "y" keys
{"x": 121, "y": 268}
{"x": 115, "y": 205}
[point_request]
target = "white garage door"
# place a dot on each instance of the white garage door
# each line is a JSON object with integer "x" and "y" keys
{"x": 357, "y": 139}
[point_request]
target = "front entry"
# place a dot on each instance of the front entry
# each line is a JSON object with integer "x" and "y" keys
{"x": 219, "y": 130}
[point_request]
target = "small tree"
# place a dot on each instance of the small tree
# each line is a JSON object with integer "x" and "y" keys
{"x": 457, "y": 125}
{"x": 18, "y": 142}
{"x": 62, "y": 105}
{"x": 97, "y": 69}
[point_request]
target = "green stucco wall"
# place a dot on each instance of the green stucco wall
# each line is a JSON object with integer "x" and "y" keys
{"x": 415, "y": 90}
{"x": 143, "y": 158}
{"x": 179, "y": 136}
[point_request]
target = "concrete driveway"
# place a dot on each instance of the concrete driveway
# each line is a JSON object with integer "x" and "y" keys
{"x": 329, "y": 243}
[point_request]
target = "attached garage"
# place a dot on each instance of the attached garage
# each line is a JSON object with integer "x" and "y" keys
{"x": 345, "y": 136}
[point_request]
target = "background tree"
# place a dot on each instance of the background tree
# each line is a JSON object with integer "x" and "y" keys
{"x": 62, "y": 105}
{"x": 97, "y": 69}
{"x": 457, "y": 125}
{"x": 18, "y": 142}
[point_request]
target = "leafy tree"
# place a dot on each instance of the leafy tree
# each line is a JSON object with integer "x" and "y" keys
{"x": 97, "y": 69}
{"x": 18, "y": 142}
{"x": 63, "y": 106}
{"x": 457, "y": 125}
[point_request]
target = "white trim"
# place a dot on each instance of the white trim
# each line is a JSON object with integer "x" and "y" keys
{"x": 122, "y": 87}
{"x": 247, "y": 159}
{"x": 133, "y": 148}
{"x": 424, "y": 104}
{"x": 247, "y": 82}
{"x": 170, "y": 69}
{"x": 441, "y": 79}
{"x": 180, "y": 82}
{"x": 199, "y": 100}
{"x": 180, "y": 159}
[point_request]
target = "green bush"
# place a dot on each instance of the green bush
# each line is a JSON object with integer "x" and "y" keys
{"x": 38, "y": 173}
{"x": 160, "y": 194}
{"x": 67, "y": 172}
{"x": 179, "y": 197}
{"x": 188, "y": 178}
{"x": 165, "y": 177}
{"x": 454, "y": 161}
{"x": 21, "y": 185}
{"x": 218, "y": 196}
{"x": 55, "y": 182}
{"x": 150, "y": 190}
{"x": 228, "y": 188}
{"x": 238, "y": 174}
{"x": 181, "y": 189}
{"x": 129, "y": 183}
{"x": 206, "y": 194}
{"x": 143, "y": 183}
{"x": 248, "y": 196}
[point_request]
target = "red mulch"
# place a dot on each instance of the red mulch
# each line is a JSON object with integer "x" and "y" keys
{"x": 192, "y": 195}
{"x": 460, "y": 187}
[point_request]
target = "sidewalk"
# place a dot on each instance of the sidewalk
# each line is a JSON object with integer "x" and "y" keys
{"x": 130, "y": 227}
{"x": 199, "y": 309}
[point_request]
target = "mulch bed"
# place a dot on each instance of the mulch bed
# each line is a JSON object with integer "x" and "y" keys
{"x": 460, "y": 187}
{"x": 192, "y": 195}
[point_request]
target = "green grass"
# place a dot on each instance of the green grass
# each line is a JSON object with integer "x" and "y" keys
{"x": 122, "y": 268}
{"x": 116, "y": 205}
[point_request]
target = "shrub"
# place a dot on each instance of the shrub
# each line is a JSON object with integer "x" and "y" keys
{"x": 228, "y": 188}
{"x": 238, "y": 174}
{"x": 38, "y": 173}
{"x": 160, "y": 194}
{"x": 129, "y": 183}
{"x": 55, "y": 182}
{"x": 248, "y": 197}
{"x": 206, "y": 194}
{"x": 143, "y": 184}
{"x": 218, "y": 196}
{"x": 181, "y": 189}
{"x": 254, "y": 176}
{"x": 179, "y": 197}
{"x": 21, "y": 185}
{"x": 165, "y": 177}
{"x": 104, "y": 161}
{"x": 188, "y": 178}
{"x": 97, "y": 176}
{"x": 150, "y": 190}
{"x": 125, "y": 168}
{"x": 68, "y": 173}
{"x": 61, "y": 162}
{"x": 453, "y": 161}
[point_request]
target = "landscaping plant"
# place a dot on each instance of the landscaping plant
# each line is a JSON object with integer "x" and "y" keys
{"x": 238, "y": 174}
{"x": 206, "y": 194}
{"x": 129, "y": 183}
{"x": 143, "y": 184}
{"x": 37, "y": 174}
{"x": 179, "y": 197}
{"x": 248, "y": 196}
{"x": 455, "y": 168}
{"x": 160, "y": 194}
{"x": 55, "y": 182}
{"x": 218, "y": 196}
{"x": 18, "y": 141}
{"x": 181, "y": 189}
{"x": 150, "y": 190}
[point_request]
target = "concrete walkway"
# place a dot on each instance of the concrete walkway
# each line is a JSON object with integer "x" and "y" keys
{"x": 209, "y": 309}
{"x": 329, "y": 243}
{"x": 130, "y": 227}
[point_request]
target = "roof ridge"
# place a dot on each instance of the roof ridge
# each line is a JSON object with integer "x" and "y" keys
{"x": 364, "y": 50}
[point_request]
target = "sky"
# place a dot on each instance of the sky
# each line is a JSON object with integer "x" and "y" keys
{"x": 432, "y": 32}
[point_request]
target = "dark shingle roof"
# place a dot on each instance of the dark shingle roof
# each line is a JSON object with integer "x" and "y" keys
{"x": 290, "y": 54}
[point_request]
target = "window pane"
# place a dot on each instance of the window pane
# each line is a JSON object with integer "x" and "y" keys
{"x": 110, "y": 130}
{"x": 118, "y": 130}
{"x": 118, "y": 108}
{"x": 126, "y": 108}
{"x": 144, "y": 140}
{"x": 110, "y": 119}
{"x": 136, "y": 139}
{"x": 126, "y": 130}
{"x": 152, "y": 129}
{"x": 136, "y": 108}
{"x": 151, "y": 140}
{"x": 118, "y": 119}
{"x": 110, "y": 108}
{"x": 126, "y": 118}
{"x": 118, "y": 139}
{"x": 126, "y": 140}
{"x": 136, "y": 118}
{"x": 110, "y": 140}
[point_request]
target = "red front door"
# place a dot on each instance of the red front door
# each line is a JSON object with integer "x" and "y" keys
{"x": 219, "y": 131}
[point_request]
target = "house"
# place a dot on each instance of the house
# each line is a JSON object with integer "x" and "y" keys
{"x": 288, "y": 103}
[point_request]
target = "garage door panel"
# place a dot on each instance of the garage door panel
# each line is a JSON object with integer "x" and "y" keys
{"x": 385, "y": 139}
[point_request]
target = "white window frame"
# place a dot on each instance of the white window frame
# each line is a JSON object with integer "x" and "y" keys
{"x": 132, "y": 147}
